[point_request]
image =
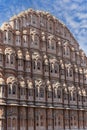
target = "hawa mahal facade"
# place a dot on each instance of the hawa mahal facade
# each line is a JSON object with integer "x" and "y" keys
{"x": 43, "y": 75}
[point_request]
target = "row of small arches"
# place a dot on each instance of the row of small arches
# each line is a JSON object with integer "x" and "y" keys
{"x": 50, "y": 85}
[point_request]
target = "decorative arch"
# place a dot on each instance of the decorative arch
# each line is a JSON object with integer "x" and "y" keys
{"x": 18, "y": 38}
{"x": 12, "y": 86}
{"x": 51, "y": 42}
{"x": 57, "y": 90}
{"x": 25, "y": 38}
{"x": 37, "y": 61}
{"x": 49, "y": 90}
{"x": 66, "y": 49}
{"x": 54, "y": 65}
{"x": 39, "y": 88}
{"x": 35, "y": 39}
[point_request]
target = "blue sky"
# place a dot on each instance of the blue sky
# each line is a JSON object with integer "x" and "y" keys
{"x": 73, "y": 13}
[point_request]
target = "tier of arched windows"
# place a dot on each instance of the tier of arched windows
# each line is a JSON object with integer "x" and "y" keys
{"x": 53, "y": 45}
{"x": 42, "y": 91}
{"x": 33, "y": 63}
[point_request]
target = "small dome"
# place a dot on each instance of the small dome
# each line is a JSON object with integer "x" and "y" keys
{"x": 80, "y": 70}
{"x": 2, "y": 81}
{"x": 84, "y": 92}
{"x": 1, "y": 51}
{"x": 21, "y": 81}
{"x": 30, "y": 83}
{"x": 64, "y": 85}
{"x": 79, "y": 91}
{"x": 36, "y": 55}
{"x": 27, "y": 56}
{"x": 20, "y": 55}
{"x": 25, "y": 32}
{"x": 11, "y": 79}
{"x": 46, "y": 60}
{"x": 6, "y": 26}
{"x": 9, "y": 50}
{"x": 56, "y": 84}
{"x": 18, "y": 33}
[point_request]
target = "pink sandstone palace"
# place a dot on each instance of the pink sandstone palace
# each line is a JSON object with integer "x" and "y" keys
{"x": 43, "y": 75}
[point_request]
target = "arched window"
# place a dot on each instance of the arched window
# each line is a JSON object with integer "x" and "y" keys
{"x": 46, "y": 68}
{"x": 20, "y": 62}
{"x": 34, "y": 20}
{"x": 55, "y": 92}
{"x": 41, "y": 92}
{"x": 68, "y": 51}
{"x": 2, "y": 88}
{"x": 9, "y": 122}
{"x": 36, "y": 40}
{"x": 1, "y": 57}
{"x": 50, "y": 26}
{"x": 9, "y": 88}
{"x": 14, "y": 89}
{"x": 21, "y": 91}
{"x": 5, "y": 36}
{"x": 49, "y": 93}
{"x": 30, "y": 92}
{"x": 71, "y": 72}
{"x": 25, "y": 40}
{"x": 74, "y": 96}
{"x": 59, "y": 93}
{"x": 18, "y": 40}
{"x": 55, "y": 68}
{"x": 51, "y": 67}
{"x": 12, "y": 59}
{"x": 10, "y": 37}
{"x": 24, "y": 21}
{"x": 28, "y": 64}
{"x": 36, "y": 92}
{"x": 38, "y": 65}
{"x": 64, "y": 50}
{"x": 7, "y": 58}
{"x": 16, "y": 24}
{"x": 51, "y": 44}
{"x": 34, "y": 64}
{"x": 65, "y": 94}
{"x": 14, "y": 123}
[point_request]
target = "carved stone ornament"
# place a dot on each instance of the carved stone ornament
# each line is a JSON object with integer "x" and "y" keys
{"x": 46, "y": 59}
{"x": 20, "y": 55}
{"x": 79, "y": 91}
{"x": 22, "y": 83}
{"x": 11, "y": 79}
{"x": 71, "y": 88}
{"x": 56, "y": 85}
{"x": 49, "y": 88}
{"x": 27, "y": 56}
{"x": 2, "y": 112}
{"x": 30, "y": 83}
{"x": 2, "y": 81}
{"x": 84, "y": 92}
{"x": 18, "y": 33}
{"x": 6, "y": 26}
{"x": 9, "y": 50}
{"x": 53, "y": 60}
{"x": 36, "y": 56}
{"x": 38, "y": 82}
{"x": 43, "y": 36}
{"x": 1, "y": 51}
